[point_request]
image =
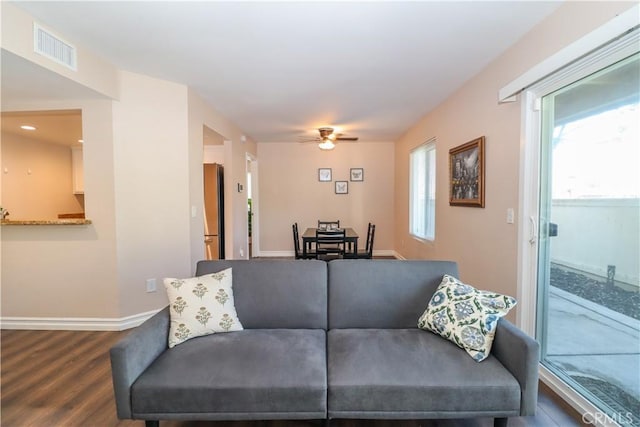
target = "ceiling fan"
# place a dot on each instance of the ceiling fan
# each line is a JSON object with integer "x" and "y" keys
{"x": 328, "y": 137}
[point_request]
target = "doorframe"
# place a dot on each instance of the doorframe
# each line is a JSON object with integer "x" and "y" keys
{"x": 252, "y": 166}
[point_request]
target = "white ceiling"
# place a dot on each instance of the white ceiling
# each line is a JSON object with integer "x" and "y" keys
{"x": 280, "y": 69}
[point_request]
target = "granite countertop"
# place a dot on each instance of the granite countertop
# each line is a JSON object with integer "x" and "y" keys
{"x": 74, "y": 221}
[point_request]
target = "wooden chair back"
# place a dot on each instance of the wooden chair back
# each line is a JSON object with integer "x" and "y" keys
{"x": 330, "y": 241}
{"x": 328, "y": 225}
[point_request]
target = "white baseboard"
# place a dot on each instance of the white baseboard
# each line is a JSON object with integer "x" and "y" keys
{"x": 75, "y": 323}
{"x": 275, "y": 254}
{"x": 385, "y": 252}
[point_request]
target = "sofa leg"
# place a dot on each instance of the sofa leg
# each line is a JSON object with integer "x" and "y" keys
{"x": 151, "y": 423}
{"x": 500, "y": 422}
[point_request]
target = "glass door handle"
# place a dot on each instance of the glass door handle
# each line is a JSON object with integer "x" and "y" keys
{"x": 533, "y": 236}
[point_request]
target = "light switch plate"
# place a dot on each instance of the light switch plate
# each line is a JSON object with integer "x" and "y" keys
{"x": 510, "y": 216}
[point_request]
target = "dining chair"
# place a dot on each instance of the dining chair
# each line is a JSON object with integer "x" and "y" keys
{"x": 330, "y": 244}
{"x": 367, "y": 253}
{"x": 323, "y": 225}
{"x": 296, "y": 245}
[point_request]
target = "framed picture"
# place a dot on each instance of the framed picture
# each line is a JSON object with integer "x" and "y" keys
{"x": 357, "y": 174}
{"x": 466, "y": 174}
{"x": 324, "y": 174}
{"x": 342, "y": 187}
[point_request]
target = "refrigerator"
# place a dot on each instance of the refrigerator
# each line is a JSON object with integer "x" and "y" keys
{"x": 214, "y": 211}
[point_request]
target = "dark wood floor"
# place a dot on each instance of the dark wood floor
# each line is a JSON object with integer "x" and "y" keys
{"x": 63, "y": 378}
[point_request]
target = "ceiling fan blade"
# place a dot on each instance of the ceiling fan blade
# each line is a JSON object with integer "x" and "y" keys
{"x": 347, "y": 138}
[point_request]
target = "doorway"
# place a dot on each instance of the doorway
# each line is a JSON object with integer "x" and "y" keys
{"x": 252, "y": 205}
{"x": 214, "y": 194}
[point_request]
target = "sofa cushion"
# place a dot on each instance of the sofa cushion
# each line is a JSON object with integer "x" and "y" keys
{"x": 381, "y": 293}
{"x": 201, "y": 306}
{"x": 406, "y": 373}
{"x": 273, "y": 294}
{"x": 253, "y": 374}
{"x": 465, "y": 315}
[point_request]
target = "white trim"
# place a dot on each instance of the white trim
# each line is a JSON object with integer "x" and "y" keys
{"x": 273, "y": 254}
{"x": 76, "y": 323}
{"x": 385, "y": 252}
{"x": 581, "y": 47}
{"x": 528, "y": 210}
{"x": 252, "y": 166}
{"x": 398, "y": 256}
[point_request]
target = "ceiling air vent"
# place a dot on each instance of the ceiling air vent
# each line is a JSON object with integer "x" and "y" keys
{"x": 53, "y": 47}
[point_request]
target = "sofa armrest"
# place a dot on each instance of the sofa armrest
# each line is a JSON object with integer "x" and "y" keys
{"x": 133, "y": 354}
{"x": 520, "y": 354}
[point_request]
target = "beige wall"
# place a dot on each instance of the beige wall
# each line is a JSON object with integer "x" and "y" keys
{"x": 136, "y": 195}
{"x": 480, "y": 240}
{"x": 151, "y": 188}
{"x": 142, "y": 175}
{"x": 68, "y": 271}
{"x": 36, "y": 180}
{"x": 140, "y": 185}
{"x": 289, "y": 191}
{"x": 92, "y": 72}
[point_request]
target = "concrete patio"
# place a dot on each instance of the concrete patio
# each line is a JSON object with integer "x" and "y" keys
{"x": 591, "y": 342}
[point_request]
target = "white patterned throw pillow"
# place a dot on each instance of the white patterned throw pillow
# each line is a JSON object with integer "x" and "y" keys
{"x": 465, "y": 315}
{"x": 201, "y": 306}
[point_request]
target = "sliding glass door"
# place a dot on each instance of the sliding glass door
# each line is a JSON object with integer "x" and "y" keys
{"x": 588, "y": 320}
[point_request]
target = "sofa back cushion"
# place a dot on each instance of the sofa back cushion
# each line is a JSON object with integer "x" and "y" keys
{"x": 271, "y": 294}
{"x": 382, "y": 293}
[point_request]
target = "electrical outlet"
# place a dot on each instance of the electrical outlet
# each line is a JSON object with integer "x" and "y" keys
{"x": 241, "y": 252}
{"x": 151, "y": 285}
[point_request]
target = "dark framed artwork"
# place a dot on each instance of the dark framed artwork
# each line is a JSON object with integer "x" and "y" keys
{"x": 324, "y": 174}
{"x": 356, "y": 174}
{"x": 466, "y": 174}
{"x": 342, "y": 187}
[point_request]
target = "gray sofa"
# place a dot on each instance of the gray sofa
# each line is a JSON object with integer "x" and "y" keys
{"x": 323, "y": 341}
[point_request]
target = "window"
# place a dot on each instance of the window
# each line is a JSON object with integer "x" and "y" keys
{"x": 422, "y": 191}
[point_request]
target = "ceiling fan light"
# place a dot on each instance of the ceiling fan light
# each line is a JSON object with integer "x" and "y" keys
{"x": 326, "y": 145}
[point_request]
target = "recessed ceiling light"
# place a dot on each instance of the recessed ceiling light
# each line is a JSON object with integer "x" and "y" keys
{"x": 27, "y": 127}
{"x": 81, "y": 141}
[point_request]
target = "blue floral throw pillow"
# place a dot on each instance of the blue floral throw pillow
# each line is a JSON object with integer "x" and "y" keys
{"x": 465, "y": 315}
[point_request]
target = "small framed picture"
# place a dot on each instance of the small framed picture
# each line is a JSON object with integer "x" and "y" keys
{"x": 324, "y": 174}
{"x": 357, "y": 174}
{"x": 342, "y": 187}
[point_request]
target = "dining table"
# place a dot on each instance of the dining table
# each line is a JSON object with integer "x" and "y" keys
{"x": 309, "y": 237}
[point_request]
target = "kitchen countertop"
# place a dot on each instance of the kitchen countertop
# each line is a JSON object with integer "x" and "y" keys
{"x": 46, "y": 222}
